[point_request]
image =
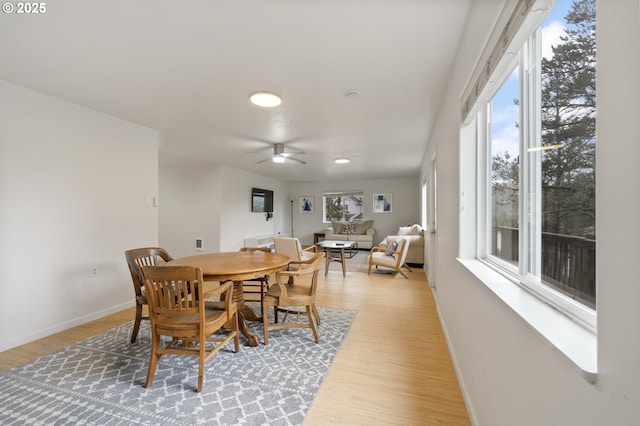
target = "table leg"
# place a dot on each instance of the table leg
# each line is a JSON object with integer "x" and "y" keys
{"x": 344, "y": 269}
{"x": 238, "y": 297}
{"x": 327, "y": 254}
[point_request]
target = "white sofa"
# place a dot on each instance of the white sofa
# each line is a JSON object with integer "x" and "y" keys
{"x": 415, "y": 255}
{"x": 362, "y": 232}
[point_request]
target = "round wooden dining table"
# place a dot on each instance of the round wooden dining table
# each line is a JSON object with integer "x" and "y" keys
{"x": 236, "y": 266}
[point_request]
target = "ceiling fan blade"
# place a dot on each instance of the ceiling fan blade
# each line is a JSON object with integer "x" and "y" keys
{"x": 259, "y": 150}
{"x": 289, "y": 153}
{"x": 295, "y": 159}
{"x": 265, "y": 160}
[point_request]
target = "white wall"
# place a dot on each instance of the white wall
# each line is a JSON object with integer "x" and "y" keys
{"x": 405, "y": 208}
{"x": 73, "y": 191}
{"x": 508, "y": 373}
{"x": 189, "y": 209}
{"x": 237, "y": 222}
{"x": 213, "y": 202}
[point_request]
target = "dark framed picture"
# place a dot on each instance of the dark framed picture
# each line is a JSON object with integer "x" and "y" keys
{"x": 305, "y": 204}
{"x": 382, "y": 203}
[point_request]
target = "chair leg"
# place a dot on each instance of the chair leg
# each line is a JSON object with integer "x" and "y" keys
{"x": 264, "y": 287}
{"x": 236, "y": 338}
{"x": 315, "y": 313}
{"x": 312, "y": 322}
{"x": 136, "y": 323}
{"x": 201, "y": 354}
{"x": 265, "y": 323}
{"x": 153, "y": 360}
{"x": 402, "y": 273}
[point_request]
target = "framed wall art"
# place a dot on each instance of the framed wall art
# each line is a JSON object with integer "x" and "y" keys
{"x": 306, "y": 204}
{"x": 382, "y": 203}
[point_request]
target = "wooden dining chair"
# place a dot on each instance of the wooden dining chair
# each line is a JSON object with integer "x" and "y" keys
{"x": 136, "y": 259}
{"x": 392, "y": 256}
{"x": 292, "y": 291}
{"x": 254, "y": 289}
{"x": 178, "y": 309}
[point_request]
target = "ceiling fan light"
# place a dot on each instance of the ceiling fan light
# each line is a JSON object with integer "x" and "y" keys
{"x": 278, "y": 159}
{"x": 265, "y": 99}
{"x": 341, "y": 160}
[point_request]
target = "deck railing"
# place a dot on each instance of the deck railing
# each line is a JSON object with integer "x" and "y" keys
{"x": 568, "y": 262}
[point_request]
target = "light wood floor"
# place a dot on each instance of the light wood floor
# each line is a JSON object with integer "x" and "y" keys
{"x": 394, "y": 367}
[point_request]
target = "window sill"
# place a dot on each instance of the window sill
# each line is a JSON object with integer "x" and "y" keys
{"x": 575, "y": 342}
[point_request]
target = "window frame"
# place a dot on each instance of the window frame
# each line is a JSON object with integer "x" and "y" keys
{"x": 342, "y": 194}
{"x": 527, "y": 59}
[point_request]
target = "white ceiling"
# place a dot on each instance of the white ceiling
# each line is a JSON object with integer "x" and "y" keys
{"x": 186, "y": 68}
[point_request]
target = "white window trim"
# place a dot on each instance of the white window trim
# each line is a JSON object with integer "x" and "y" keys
{"x": 576, "y": 343}
{"x": 572, "y": 332}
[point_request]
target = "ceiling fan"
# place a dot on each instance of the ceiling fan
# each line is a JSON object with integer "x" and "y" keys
{"x": 280, "y": 155}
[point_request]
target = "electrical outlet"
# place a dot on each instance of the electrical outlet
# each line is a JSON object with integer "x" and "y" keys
{"x": 94, "y": 271}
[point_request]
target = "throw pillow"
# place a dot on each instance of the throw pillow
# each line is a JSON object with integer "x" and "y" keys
{"x": 337, "y": 227}
{"x": 363, "y": 227}
{"x": 393, "y": 247}
{"x": 416, "y": 230}
{"x": 348, "y": 229}
{"x": 404, "y": 230}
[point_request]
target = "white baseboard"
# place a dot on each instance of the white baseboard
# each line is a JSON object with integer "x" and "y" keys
{"x": 63, "y": 326}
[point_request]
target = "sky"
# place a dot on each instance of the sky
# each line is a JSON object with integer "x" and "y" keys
{"x": 504, "y": 114}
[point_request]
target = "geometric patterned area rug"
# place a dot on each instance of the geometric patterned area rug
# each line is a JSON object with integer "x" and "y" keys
{"x": 100, "y": 381}
{"x": 358, "y": 263}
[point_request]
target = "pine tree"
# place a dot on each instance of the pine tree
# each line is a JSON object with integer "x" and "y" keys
{"x": 568, "y": 120}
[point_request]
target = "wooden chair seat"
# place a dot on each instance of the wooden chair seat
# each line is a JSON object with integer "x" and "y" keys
{"x": 178, "y": 309}
{"x": 296, "y": 295}
{"x": 294, "y": 292}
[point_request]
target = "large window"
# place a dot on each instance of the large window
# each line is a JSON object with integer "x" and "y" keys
{"x": 539, "y": 168}
{"x": 342, "y": 206}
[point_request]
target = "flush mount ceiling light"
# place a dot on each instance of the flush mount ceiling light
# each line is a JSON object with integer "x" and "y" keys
{"x": 278, "y": 159}
{"x": 341, "y": 160}
{"x": 265, "y": 99}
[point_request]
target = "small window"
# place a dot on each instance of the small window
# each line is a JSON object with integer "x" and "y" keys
{"x": 342, "y": 206}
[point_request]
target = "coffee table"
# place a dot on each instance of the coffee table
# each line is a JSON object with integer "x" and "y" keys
{"x": 330, "y": 245}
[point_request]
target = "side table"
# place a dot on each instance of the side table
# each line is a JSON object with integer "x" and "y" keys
{"x": 339, "y": 246}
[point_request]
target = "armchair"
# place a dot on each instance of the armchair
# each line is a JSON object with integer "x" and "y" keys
{"x": 392, "y": 256}
{"x": 292, "y": 248}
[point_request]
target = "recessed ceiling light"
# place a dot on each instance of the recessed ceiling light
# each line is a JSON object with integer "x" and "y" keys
{"x": 341, "y": 160}
{"x": 265, "y": 99}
